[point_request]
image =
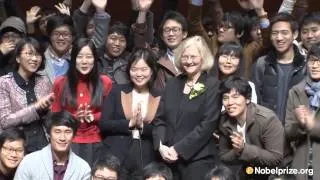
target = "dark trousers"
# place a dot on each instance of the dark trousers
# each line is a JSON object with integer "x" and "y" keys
{"x": 194, "y": 170}
{"x": 87, "y": 151}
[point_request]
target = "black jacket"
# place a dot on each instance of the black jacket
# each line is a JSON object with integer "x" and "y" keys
{"x": 188, "y": 124}
{"x": 266, "y": 74}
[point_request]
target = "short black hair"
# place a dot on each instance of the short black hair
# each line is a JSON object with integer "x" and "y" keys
{"x": 312, "y": 17}
{"x": 240, "y": 84}
{"x": 220, "y": 171}
{"x": 149, "y": 58}
{"x": 57, "y": 21}
{"x": 34, "y": 44}
{"x": 157, "y": 169}
{"x": 12, "y": 134}
{"x": 175, "y": 16}
{"x": 314, "y": 51}
{"x": 62, "y": 118}
{"x": 235, "y": 19}
{"x": 120, "y": 28}
{"x": 285, "y": 17}
{"x": 108, "y": 161}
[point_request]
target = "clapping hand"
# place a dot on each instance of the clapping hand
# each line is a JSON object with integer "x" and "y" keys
{"x": 6, "y": 47}
{"x": 84, "y": 114}
{"x": 305, "y": 117}
{"x": 136, "y": 122}
{"x": 237, "y": 141}
{"x": 44, "y": 102}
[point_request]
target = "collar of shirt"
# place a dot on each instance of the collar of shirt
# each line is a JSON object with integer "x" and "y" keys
{"x": 171, "y": 58}
{"x": 23, "y": 83}
{"x": 53, "y": 56}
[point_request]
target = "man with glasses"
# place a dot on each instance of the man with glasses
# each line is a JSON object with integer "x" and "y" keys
{"x": 55, "y": 161}
{"x": 57, "y": 55}
{"x": 107, "y": 167}
{"x": 11, "y": 31}
{"x": 12, "y": 148}
{"x": 172, "y": 30}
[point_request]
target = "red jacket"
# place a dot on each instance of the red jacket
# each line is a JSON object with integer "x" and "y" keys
{"x": 87, "y": 132}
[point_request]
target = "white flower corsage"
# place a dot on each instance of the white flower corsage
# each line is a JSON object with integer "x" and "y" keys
{"x": 196, "y": 90}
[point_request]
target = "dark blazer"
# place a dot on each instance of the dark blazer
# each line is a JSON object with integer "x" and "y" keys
{"x": 114, "y": 123}
{"x": 188, "y": 124}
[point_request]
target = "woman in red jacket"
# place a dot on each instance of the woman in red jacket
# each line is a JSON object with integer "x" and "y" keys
{"x": 81, "y": 92}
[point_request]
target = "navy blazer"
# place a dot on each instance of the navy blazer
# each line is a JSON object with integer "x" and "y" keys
{"x": 188, "y": 124}
{"x": 114, "y": 123}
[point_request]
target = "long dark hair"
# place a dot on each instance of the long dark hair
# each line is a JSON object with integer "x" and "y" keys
{"x": 93, "y": 79}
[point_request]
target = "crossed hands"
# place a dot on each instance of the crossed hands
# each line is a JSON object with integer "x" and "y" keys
{"x": 136, "y": 122}
{"x": 168, "y": 154}
{"x": 84, "y": 114}
{"x": 237, "y": 141}
{"x": 305, "y": 116}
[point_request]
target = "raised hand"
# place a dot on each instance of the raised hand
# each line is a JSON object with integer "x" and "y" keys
{"x": 100, "y": 4}
{"x": 256, "y": 4}
{"x": 62, "y": 8}
{"x": 144, "y": 5}
{"x": 245, "y": 4}
{"x": 237, "y": 141}
{"x": 44, "y": 102}
{"x": 32, "y": 15}
{"x": 6, "y": 47}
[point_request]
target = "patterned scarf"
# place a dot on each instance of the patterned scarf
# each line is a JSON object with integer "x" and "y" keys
{"x": 313, "y": 91}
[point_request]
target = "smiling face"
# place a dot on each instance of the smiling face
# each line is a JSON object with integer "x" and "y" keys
{"x": 140, "y": 74}
{"x": 191, "y": 61}
{"x": 85, "y": 61}
{"x": 235, "y": 104}
{"x": 11, "y": 154}
{"x": 116, "y": 44}
{"x": 228, "y": 64}
{"x": 61, "y": 138}
{"x": 61, "y": 39}
{"x": 314, "y": 68}
{"x": 172, "y": 34}
{"x": 282, "y": 37}
{"x": 310, "y": 34}
{"x": 29, "y": 60}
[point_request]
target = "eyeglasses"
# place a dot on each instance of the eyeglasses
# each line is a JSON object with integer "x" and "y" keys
{"x": 57, "y": 34}
{"x": 11, "y": 150}
{"x": 314, "y": 60}
{"x": 11, "y": 36}
{"x": 175, "y": 30}
{"x": 224, "y": 27}
{"x": 85, "y": 56}
{"x": 229, "y": 57}
{"x": 95, "y": 177}
{"x": 186, "y": 57}
{"x": 32, "y": 54}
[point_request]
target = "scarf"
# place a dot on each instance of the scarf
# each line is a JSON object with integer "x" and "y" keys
{"x": 313, "y": 91}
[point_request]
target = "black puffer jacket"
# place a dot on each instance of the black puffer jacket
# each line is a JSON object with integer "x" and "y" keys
{"x": 266, "y": 74}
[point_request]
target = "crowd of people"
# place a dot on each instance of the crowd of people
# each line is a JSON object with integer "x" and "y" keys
{"x": 204, "y": 97}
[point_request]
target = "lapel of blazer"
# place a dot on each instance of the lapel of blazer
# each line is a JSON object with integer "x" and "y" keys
{"x": 71, "y": 166}
{"x": 177, "y": 89}
{"x": 126, "y": 101}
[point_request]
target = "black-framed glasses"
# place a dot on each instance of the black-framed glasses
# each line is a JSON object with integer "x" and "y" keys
{"x": 174, "y": 30}
{"x": 11, "y": 150}
{"x": 57, "y": 34}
